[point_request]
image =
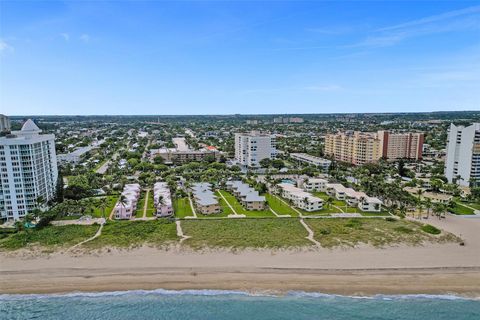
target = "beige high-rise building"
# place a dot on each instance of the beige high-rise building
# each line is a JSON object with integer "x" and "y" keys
{"x": 362, "y": 147}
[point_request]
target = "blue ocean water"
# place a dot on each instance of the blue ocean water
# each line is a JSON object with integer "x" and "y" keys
{"x": 231, "y": 305}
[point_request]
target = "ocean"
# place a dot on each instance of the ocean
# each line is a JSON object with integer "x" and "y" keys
{"x": 232, "y": 305}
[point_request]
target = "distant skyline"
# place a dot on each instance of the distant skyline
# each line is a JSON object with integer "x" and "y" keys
{"x": 245, "y": 57}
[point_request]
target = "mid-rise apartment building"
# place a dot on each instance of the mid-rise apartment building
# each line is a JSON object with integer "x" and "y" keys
{"x": 362, "y": 147}
{"x": 28, "y": 166}
{"x": 253, "y": 147}
{"x": 401, "y": 145}
{"x": 462, "y": 165}
{"x": 4, "y": 123}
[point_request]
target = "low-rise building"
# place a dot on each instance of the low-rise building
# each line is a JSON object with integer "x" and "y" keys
{"x": 246, "y": 195}
{"x": 354, "y": 198}
{"x": 205, "y": 200}
{"x": 324, "y": 164}
{"x": 162, "y": 200}
{"x": 300, "y": 199}
{"x": 315, "y": 184}
{"x": 127, "y": 204}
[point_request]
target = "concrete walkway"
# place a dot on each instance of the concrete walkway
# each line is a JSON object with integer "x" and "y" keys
{"x": 235, "y": 214}
{"x": 145, "y": 205}
{"x": 193, "y": 207}
{"x": 96, "y": 235}
{"x": 293, "y": 208}
{"x": 180, "y": 233}
{"x": 310, "y": 233}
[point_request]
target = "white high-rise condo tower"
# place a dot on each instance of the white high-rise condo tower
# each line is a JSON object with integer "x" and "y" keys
{"x": 253, "y": 147}
{"x": 28, "y": 168}
{"x": 4, "y": 123}
{"x": 462, "y": 165}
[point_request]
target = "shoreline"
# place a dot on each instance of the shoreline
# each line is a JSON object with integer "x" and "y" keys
{"x": 463, "y": 282}
{"x": 352, "y": 272}
{"x": 440, "y": 269}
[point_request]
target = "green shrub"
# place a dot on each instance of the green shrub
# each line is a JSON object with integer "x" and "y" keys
{"x": 430, "y": 229}
{"x": 390, "y": 219}
{"x": 325, "y": 231}
{"x": 353, "y": 223}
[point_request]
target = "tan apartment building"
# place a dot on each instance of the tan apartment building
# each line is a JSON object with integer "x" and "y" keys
{"x": 362, "y": 147}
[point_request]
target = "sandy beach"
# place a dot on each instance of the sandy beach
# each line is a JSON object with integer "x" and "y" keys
{"x": 428, "y": 269}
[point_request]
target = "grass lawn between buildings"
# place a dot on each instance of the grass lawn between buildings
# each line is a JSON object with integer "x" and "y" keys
{"x": 182, "y": 208}
{"x": 239, "y": 209}
{"x": 150, "y": 206}
{"x": 461, "y": 210}
{"x": 140, "y": 205}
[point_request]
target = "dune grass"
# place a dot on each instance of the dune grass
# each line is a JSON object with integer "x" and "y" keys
{"x": 48, "y": 237}
{"x": 245, "y": 233}
{"x": 128, "y": 234}
{"x": 377, "y": 232}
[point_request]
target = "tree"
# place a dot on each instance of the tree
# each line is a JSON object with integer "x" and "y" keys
{"x": 103, "y": 205}
{"x": 329, "y": 202}
{"x": 428, "y": 206}
{"x": 278, "y": 164}
{"x": 265, "y": 163}
{"x": 59, "y": 188}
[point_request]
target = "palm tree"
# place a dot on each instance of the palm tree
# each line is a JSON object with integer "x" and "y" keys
{"x": 103, "y": 205}
{"x": 428, "y": 206}
{"x": 420, "y": 208}
{"x": 329, "y": 202}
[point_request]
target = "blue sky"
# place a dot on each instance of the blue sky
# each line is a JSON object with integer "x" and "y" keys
{"x": 226, "y": 57}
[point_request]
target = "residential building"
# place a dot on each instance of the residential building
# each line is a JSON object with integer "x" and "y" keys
{"x": 4, "y": 123}
{"x": 462, "y": 165}
{"x": 324, "y": 164}
{"x": 401, "y": 145}
{"x": 353, "y": 147}
{"x": 205, "y": 200}
{"x": 246, "y": 195}
{"x": 253, "y": 147}
{"x": 28, "y": 165}
{"x": 354, "y": 198}
{"x": 315, "y": 184}
{"x": 162, "y": 199}
{"x": 126, "y": 209}
{"x": 173, "y": 155}
{"x": 300, "y": 199}
{"x": 362, "y": 147}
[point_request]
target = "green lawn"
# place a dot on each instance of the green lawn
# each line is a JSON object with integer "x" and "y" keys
{"x": 239, "y": 209}
{"x": 182, "y": 208}
{"x": 461, "y": 210}
{"x": 245, "y": 233}
{"x": 150, "y": 206}
{"x": 279, "y": 206}
{"x": 49, "y": 237}
{"x": 126, "y": 234}
{"x": 377, "y": 232}
{"x": 111, "y": 201}
{"x": 140, "y": 205}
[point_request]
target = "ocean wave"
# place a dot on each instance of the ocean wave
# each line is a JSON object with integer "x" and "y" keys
{"x": 210, "y": 292}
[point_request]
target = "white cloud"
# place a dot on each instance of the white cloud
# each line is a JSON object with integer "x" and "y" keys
{"x": 85, "y": 37}
{"x": 65, "y": 36}
{"x": 5, "y": 47}
{"x": 457, "y": 20}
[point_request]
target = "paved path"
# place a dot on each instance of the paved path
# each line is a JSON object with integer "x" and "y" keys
{"x": 180, "y": 233}
{"x": 293, "y": 208}
{"x": 97, "y": 234}
{"x": 310, "y": 233}
{"x": 235, "y": 214}
{"x": 104, "y": 167}
{"x": 279, "y": 215}
{"x": 193, "y": 207}
{"x": 145, "y": 205}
